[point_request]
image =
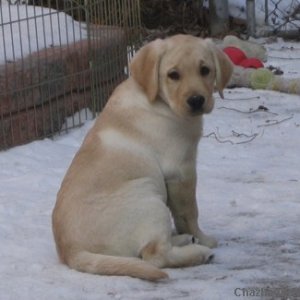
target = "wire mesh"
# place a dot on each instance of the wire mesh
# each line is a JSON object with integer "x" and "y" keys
{"x": 57, "y": 62}
{"x": 283, "y": 17}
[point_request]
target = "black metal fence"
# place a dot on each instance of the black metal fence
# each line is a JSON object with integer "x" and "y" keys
{"x": 282, "y": 15}
{"x": 58, "y": 58}
{"x": 281, "y": 18}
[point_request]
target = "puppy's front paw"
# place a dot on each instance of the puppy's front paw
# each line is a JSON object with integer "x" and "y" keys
{"x": 207, "y": 241}
{"x": 183, "y": 240}
{"x": 194, "y": 240}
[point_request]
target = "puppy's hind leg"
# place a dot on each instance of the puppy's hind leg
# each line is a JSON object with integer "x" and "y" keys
{"x": 161, "y": 249}
{"x": 165, "y": 255}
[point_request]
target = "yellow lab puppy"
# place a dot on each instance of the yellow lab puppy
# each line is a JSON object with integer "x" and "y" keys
{"x": 137, "y": 163}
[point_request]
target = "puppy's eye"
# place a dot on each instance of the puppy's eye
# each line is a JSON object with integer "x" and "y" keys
{"x": 204, "y": 70}
{"x": 174, "y": 75}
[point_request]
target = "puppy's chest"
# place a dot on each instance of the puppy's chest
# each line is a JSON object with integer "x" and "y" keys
{"x": 173, "y": 143}
{"x": 175, "y": 151}
{"x": 175, "y": 160}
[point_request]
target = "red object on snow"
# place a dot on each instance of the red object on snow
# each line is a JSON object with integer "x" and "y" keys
{"x": 251, "y": 63}
{"x": 239, "y": 58}
{"x": 235, "y": 54}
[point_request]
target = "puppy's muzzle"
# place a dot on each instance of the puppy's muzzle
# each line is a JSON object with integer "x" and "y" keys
{"x": 196, "y": 103}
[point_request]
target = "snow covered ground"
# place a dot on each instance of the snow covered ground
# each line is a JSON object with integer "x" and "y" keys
{"x": 248, "y": 194}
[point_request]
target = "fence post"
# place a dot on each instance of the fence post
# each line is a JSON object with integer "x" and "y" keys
{"x": 219, "y": 16}
{"x": 250, "y": 10}
{"x": 266, "y": 12}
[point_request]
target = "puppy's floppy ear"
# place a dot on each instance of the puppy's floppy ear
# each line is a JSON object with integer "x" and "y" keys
{"x": 144, "y": 67}
{"x": 224, "y": 67}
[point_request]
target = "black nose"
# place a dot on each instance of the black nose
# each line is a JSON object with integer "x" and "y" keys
{"x": 196, "y": 102}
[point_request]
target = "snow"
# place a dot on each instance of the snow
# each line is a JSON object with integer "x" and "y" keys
{"x": 248, "y": 193}
{"x": 26, "y": 29}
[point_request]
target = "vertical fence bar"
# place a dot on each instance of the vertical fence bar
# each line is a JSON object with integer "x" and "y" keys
{"x": 266, "y": 12}
{"x": 250, "y": 10}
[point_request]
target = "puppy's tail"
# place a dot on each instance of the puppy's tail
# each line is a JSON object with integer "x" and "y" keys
{"x": 95, "y": 263}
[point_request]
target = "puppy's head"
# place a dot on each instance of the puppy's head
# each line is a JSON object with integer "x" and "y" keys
{"x": 183, "y": 71}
